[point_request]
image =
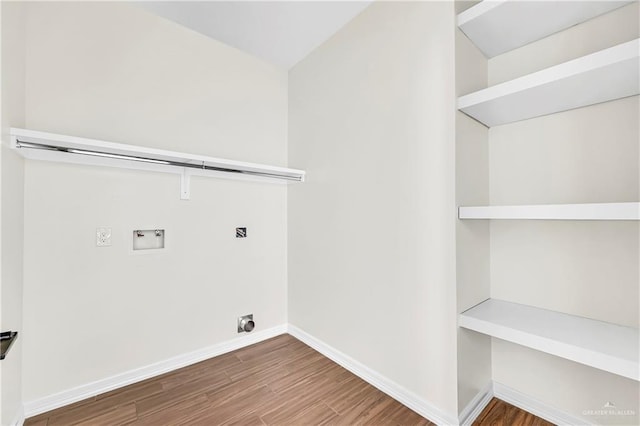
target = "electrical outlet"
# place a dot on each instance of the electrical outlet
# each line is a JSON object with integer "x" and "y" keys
{"x": 103, "y": 237}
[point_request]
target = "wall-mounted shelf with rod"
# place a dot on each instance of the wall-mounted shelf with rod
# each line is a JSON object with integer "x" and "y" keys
{"x": 498, "y": 26}
{"x": 609, "y": 347}
{"x": 602, "y": 76}
{"x": 70, "y": 149}
{"x": 594, "y": 211}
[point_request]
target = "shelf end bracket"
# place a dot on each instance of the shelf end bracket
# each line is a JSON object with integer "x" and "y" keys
{"x": 185, "y": 185}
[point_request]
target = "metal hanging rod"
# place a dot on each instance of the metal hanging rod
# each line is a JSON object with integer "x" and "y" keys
{"x": 203, "y": 166}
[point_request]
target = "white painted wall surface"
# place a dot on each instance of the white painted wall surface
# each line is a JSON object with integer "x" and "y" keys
{"x": 590, "y": 268}
{"x": 151, "y": 82}
{"x": 11, "y": 202}
{"x": 112, "y": 71}
{"x": 372, "y": 233}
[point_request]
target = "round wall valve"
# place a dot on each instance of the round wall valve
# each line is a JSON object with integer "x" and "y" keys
{"x": 246, "y": 324}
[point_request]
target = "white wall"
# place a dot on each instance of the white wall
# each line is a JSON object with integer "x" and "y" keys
{"x": 372, "y": 231}
{"x": 115, "y": 72}
{"x": 582, "y": 268}
{"x": 11, "y": 202}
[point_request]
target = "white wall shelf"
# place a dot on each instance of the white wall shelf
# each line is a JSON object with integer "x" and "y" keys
{"x": 594, "y": 211}
{"x": 603, "y": 76}
{"x": 37, "y": 145}
{"x": 498, "y": 26}
{"x": 609, "y": 347}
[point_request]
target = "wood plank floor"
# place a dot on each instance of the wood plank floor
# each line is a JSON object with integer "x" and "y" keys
{"x": 500, "y": 413}
{"x": 276, "y": 382}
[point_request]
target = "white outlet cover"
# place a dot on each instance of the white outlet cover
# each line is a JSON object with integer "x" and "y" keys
{"x": 103, "y": 237}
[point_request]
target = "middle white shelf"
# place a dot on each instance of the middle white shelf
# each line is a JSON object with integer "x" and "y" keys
{"x": 591, "y": 211}
{"x": 603, "y": 76}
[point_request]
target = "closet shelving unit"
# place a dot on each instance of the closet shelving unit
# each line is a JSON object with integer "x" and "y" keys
{"x": 45, "y": 146}
{"x": 599, "y": 77}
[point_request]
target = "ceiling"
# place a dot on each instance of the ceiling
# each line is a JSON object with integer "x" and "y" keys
{"x": 280, "y": 32}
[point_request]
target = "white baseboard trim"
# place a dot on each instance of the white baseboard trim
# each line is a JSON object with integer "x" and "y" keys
{"x": 394, "y": 390}
{"x": 89, "y": 390}
{"x": 535, "y": 407}
{"x": 19, "y": 419}
{"x": 473, "y": 409}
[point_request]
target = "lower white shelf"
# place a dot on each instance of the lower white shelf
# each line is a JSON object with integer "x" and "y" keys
{"x": 593, "y": 211}
{"x": 609, "y": 347}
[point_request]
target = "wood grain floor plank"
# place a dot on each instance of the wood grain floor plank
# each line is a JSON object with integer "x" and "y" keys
{"x": 259, "y": 349}
{"x": 131, "y": 393}
{"x": 404, "y": 416}
{"x": 81, "y": 413}
{"x": 277, "y": 354}
{"x": 37, "y": 422}
{"x": 355, "y": 398}
{"x": 180, "y": 393}
{"x": 352, "y": 386}
{"x": 248, "y": 420}
{"x": 115, "y": 417}
{"x": 316, "y": 414}
{"x": 488, "y": 410}
{"x": 232, "y": 391}
{"x": 337, "y": 373}
{"x": 59, "y": 411}
{"x": 235, "y": 408}
{"x": 314, "y": 387}
{"x": 391, "y": 414}
{"x": 182, "y": 412}
{"x": 365, "y": 410}
{"x": 196, "y": 371}
{"x": 500, "y": 413}
{"x": 291, "y": 402}
{"x": 272, "y": 369}
{"x": 297, "y": 376}
{"x": 380, "y": 418}
{"x": 251, "y": 367}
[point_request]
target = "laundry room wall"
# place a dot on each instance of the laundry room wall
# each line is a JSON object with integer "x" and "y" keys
{"x": 372, "y": 233}
{"x": 11, "y": 200}
{"x": 115, "y": 72}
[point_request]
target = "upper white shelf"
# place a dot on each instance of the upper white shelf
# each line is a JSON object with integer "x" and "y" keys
{"x": 498, "y": 26}
{"x": 609, "y": 347}
{"x": 70, "y": 149}
{"x": 595, "y": 211}
{"x": 602, "y": 76}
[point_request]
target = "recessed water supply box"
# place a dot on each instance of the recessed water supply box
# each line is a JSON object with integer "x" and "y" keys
{"x": 148, "y": 239}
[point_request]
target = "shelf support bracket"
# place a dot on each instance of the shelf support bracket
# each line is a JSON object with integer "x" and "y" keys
{"x": 185, "y": 184}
